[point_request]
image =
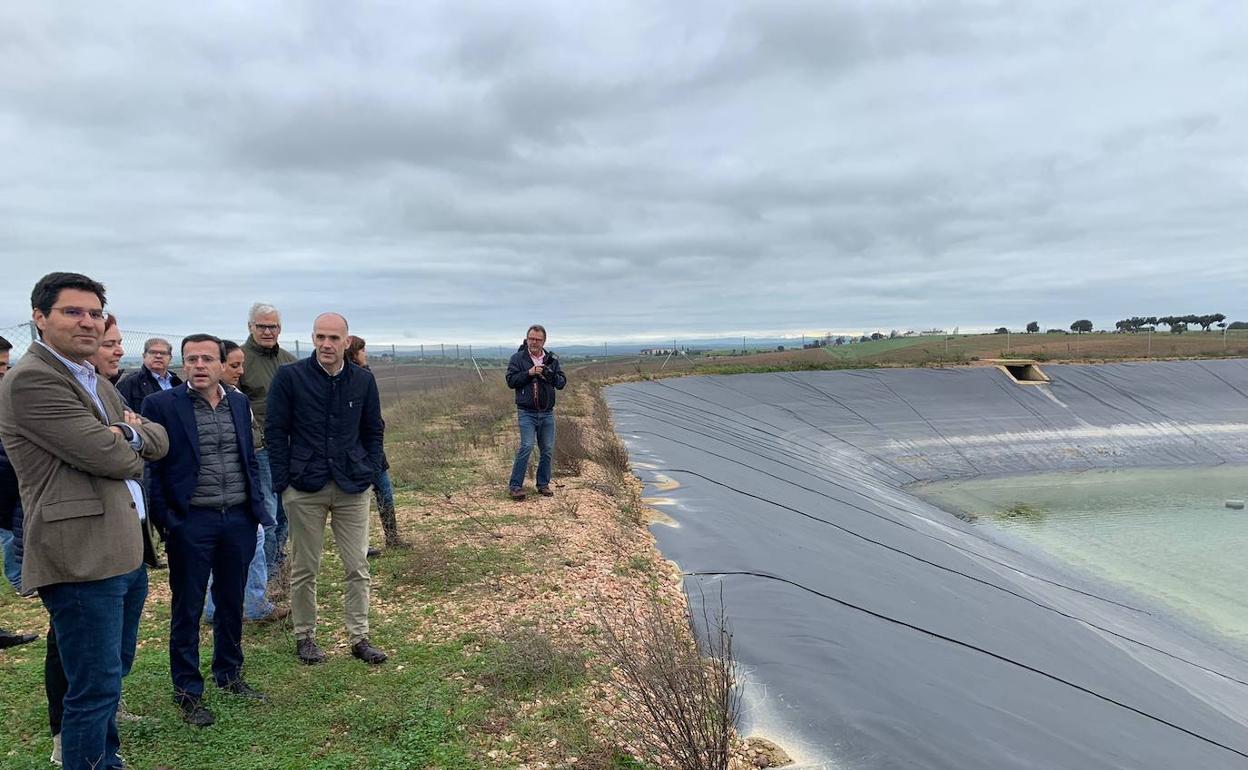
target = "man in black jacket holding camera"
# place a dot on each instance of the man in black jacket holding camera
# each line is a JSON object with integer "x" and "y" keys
{"x": 534, "y": 373}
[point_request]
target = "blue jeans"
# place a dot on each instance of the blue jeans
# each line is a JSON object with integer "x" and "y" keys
{"x": 275, "y": 534}
{"x": 539, "y": 426}
{"x": 255, "y": 604}
{"x": 12, "y": 567}
{"x": 97, "y": 626}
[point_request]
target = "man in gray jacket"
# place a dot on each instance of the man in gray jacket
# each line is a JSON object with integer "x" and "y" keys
{"x": 79, "y": 456}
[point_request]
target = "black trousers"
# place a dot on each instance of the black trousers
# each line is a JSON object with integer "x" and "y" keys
{"x": 220, "y": 542}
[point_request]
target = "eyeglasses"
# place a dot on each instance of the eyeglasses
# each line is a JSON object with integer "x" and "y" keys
{"x": 158, "y": 353}
{"x": 267, "y": 327}
{"x": 78, "y": 313}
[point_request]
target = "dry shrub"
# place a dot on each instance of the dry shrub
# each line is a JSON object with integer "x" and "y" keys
{"x": 525, "y": 660}
{"x": 613, "y": 456}
{"x": 437, "y": 566}
{"x": 428, "y": 435}
{"x": 683, "y": 705}
{"x": 572, "y": 448}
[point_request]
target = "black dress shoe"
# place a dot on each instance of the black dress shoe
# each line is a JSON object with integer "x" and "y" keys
{"x": 195, "y": 713}
{"x": 373, "y": 552}
{"x": 367, "y": 652}
{"x": 240, "y": 688}
{"x": 308, "y": 652}
{"x": 10, "y": 639}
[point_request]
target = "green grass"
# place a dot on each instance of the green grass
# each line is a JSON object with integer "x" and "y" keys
{"x": 424, "y": 708}
{"x": 342, "y": 715}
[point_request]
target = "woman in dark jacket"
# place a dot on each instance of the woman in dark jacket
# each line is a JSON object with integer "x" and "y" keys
{"x": 383, "y": 488}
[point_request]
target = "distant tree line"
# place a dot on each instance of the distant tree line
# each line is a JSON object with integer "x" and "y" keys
{"x": 1176, "y": 323}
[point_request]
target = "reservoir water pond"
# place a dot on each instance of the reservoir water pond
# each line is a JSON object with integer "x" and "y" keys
{"x": 1163, "y": 533}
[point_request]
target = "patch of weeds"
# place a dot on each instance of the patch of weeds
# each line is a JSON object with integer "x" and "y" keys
{"x": 438, "y": 567}
{"x": 635, "y": 563}
{"x": 525, "y": 661}
{"x": 629, "y": 510}
{"x": 567, "y": 507}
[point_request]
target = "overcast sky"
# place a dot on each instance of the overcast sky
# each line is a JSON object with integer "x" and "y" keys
{"x": 455, "y": 172}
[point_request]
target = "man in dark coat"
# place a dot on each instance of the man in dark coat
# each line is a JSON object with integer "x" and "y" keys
{"x": 535, "y": 374}
{"x": 324, "y": 435}
{"x": 206, "y": 500}
{"x": 152, "y": 377}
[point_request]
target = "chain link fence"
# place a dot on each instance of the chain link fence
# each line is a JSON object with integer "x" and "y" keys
{"x": 400, "y": 372}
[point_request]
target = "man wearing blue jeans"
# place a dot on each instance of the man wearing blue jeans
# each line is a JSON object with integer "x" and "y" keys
{"x": 262, "y": 357}
{"x": 79, "y": 455}
{"x": 256, "y": 605}
{"x": 535, "y": 374}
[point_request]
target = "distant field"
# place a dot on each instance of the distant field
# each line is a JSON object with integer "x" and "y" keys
{"x": 862, "y": 350}
{"x": 408, "y": 380}
{"x": 920, "y": 350}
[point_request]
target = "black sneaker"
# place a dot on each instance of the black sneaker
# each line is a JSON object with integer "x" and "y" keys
{"x": 367, "y": 652}
{"x": 240, "y": 688}
{"x": 308, "y": 652}
{"x": 195, "y": 713}
{"x": 374, "y": 553}
{"x": 10, "y": 639}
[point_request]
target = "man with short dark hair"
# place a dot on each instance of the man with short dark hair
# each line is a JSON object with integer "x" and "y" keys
{"x": 152, "y": 377}
{"x": 324, "y": 434}
{"x": 10, "y": 519}
{"x": 535, "y": 374}
{"x": 262, "y": 355}
{"x": 206, "y": 499}
{"x": 79, "y": 456}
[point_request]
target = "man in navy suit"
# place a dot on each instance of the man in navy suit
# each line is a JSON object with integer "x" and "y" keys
{"x": 206, "y": 500}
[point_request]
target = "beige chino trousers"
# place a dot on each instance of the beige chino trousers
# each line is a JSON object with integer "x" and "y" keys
{"x": 348, "y": 518}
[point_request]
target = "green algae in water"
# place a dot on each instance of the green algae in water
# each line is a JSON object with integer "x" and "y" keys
{"x": 1163, "y": 533}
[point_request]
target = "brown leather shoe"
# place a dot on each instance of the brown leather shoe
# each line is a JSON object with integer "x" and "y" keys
{"x": 546, "y": 491}
{"x": 276, "y": 614}
{"x": 516, "y": 493}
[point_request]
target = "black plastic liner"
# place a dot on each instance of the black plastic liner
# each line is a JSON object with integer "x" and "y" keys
{"x": 879, "y": 631}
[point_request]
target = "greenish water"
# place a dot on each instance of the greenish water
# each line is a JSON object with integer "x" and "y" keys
{"x": 1166, "y": 534}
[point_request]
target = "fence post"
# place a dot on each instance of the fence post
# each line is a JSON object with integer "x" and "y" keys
{"x": 394, "y": 369}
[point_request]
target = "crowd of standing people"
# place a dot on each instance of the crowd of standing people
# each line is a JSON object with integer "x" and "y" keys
{"x": 244, "y": 452}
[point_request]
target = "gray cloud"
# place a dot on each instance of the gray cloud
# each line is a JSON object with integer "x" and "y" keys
{"x": 454, "y": 172}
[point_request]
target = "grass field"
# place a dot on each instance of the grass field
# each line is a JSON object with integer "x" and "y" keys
{"x": 490, "y": 619}
{"x": 1065, "y": 347}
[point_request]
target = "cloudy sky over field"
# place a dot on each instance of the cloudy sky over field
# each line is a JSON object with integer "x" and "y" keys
{"x": 453, "y": 172}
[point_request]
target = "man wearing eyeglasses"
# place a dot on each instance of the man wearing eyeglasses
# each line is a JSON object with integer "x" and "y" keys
{"x": 153, "y": 377}
{"x": 261, "y": 358}
{"x": 79, "y": 456}
{"x": 206, "y": 499}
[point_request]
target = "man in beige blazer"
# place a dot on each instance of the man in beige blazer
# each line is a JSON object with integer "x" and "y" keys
{"x": 79, "y": 457}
